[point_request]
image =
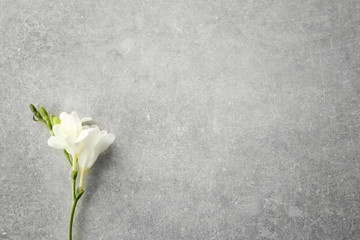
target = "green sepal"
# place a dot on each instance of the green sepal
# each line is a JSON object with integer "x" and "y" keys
{"x": 36, "y": 120}
{"x": 79, "y": 193}
{"x": 74, "y": 174}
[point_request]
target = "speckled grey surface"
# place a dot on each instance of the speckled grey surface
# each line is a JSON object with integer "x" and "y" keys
{"x": 234, "y": 119}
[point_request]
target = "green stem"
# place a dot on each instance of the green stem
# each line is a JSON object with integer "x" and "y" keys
{"x": 76, "y": 197}
{"x": 73, "y": 176}
{"x": 73, "y": 183}
{"x": 75, "y": 200}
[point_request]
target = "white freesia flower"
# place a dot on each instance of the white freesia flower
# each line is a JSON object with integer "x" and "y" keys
{"x": 95, "y": 143}
{"x": 83, "y": 143}
{"x": 69, "y": 133}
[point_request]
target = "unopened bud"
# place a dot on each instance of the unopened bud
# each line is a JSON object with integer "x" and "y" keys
{"x": 33, "y": 109}
{"x": 44, "y": 113}
{"x": 45, "y": 116}
{"x": 52, "y": 119}
{"x": 56, "y": 120}
{"x": 37, "y": 116}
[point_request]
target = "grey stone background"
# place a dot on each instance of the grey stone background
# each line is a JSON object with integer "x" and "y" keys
{"x": 233, "y": 119}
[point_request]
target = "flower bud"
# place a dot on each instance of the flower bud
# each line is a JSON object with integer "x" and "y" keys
{"x": 44, "y": 113}
{"x": 56, "y": 120}
{"x": 45, "y": 116}
{"x": 37, "y": 116}
{"x": 33, "y": 109}
{"x": 52, "y": 119}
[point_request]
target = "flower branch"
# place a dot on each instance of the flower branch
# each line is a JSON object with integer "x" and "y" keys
{"x": 82, "y": 142}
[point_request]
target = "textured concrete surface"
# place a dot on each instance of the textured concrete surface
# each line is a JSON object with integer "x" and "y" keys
{"x": 234, "y": 119}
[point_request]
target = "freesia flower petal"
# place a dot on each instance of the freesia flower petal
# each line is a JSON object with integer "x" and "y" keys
{"x": 104, "y": 142}
{"x": 83, "y": 134}
{"x": 68, "y": 124}
{"x": 95, "y": 143}
{"x": 85, "y": 119}
{"x": 63, "y": 115}
{"x": 74, "y": 114}
{"x": 69, "y": 133}
{"x": 76, "y": 121}
{"x": 55, "y": 143}
{"x": 58, "y": 131}
{"x": 93, "y": 137}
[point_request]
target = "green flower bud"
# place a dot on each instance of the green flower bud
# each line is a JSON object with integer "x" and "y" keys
{"x": 37, "y": 117}
{"x": 44, "y": 114}
{"x": 52, "y": 119}
{"x": 56, "y": 120}
{"x": 33, "y": 109}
